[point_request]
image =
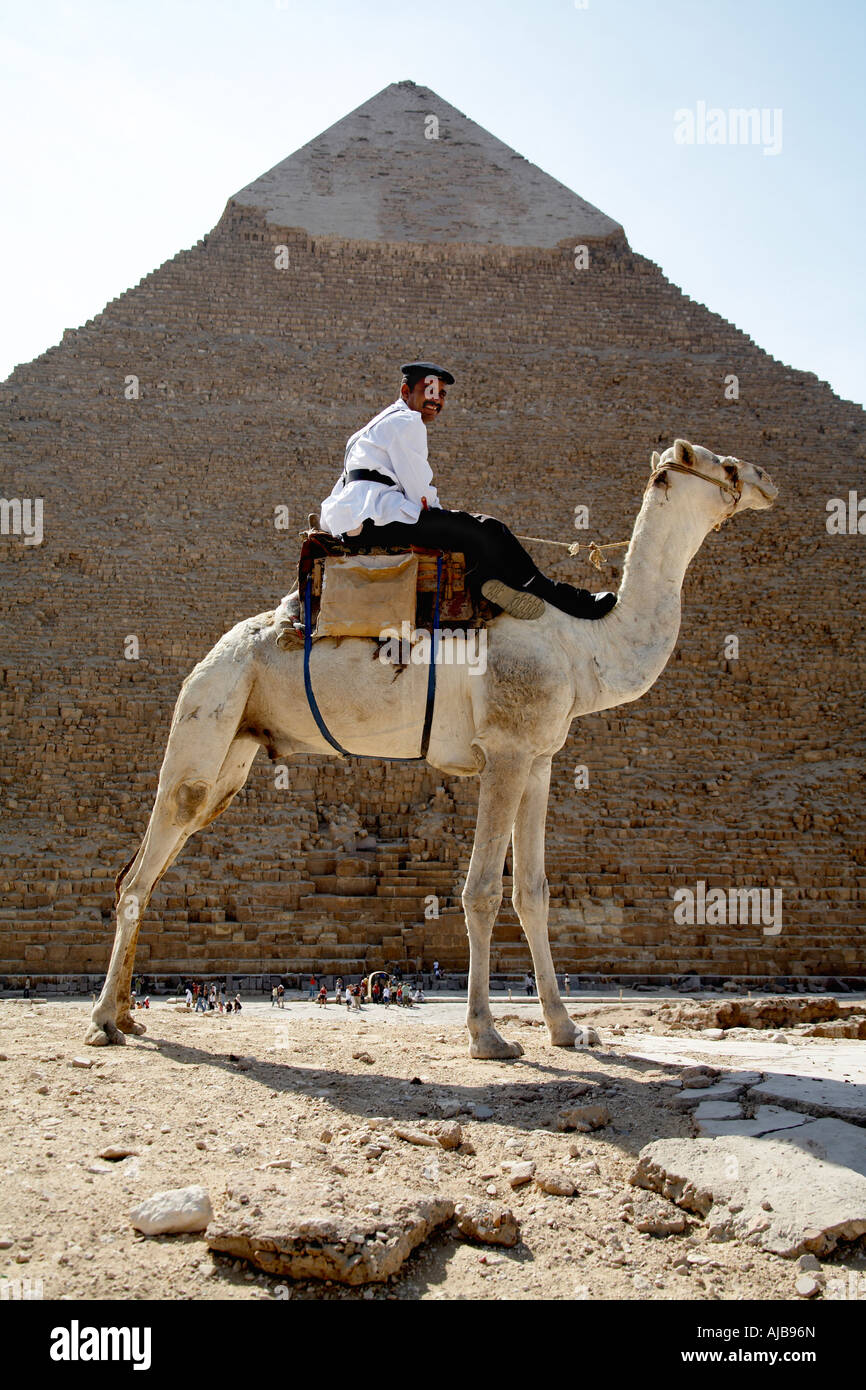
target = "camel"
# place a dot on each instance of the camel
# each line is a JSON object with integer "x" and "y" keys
{"x": 503, "y": 725}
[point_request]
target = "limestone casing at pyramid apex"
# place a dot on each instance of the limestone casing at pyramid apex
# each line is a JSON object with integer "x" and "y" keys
{"x": 408, "y": 166}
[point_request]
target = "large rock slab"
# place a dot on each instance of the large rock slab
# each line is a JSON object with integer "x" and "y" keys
{"x": 777, "y": 1011}
{"x": 298, "y": 1242}
{"x": 803, "y": 1189}
{"x": 767, "y": 1119}
{"x": 844, "y": 1099}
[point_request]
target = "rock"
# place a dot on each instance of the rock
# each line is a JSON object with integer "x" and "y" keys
{"x": 482, "y": 1112}
{"x": 719, "y": 1091}
{"x": 814, "y": 1176}
{"x": 363, "y": 1057}
{"x": 655, "y": 1216}
{"x": 448, "y": 1133}
{"x": 807, "y": 1286}
{"x": 690, "y": 982}
{"x": 289, "y": 1237}
{"x": 179, "y": 1209}
{"x": 773, "y": 1012}
{"x": 414, "y": 1136}
{"x": 715, "y": 1110}
{"x": 699, "y": 1076}
{"x": 6, "y": 1242}
{"x": 518, "y": 1172}
{"x": 116, "y": 1151}
{"x": 586, "y": 1037}
{"x": 448, "y": 1108}
{"x": 815, "y": 1096}
{"x": 582, "y": 1117}
{"x": 489, "y": 1224}
{"x": 808, "y": 1263}
{"x": 557, "y": 1184}
{"x": 85, "y": 1062}
{"x": 713, "y": 1034}
{"x": 766, "y": 1120}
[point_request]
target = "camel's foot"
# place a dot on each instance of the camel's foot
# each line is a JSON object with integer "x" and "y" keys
{"x": 490, "y": 1046}
{"x": 562, "y": 1033}
{"x": 102, "y": 1033}
{"x": 128, "y": 1024}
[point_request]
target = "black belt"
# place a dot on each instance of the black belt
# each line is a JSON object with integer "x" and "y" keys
{"x": 367, "y": 475}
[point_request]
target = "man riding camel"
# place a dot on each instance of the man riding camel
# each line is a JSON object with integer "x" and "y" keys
{"x": 385, "y": 497}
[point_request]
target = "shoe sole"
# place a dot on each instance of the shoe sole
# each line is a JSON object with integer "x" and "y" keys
{"x": 514, "y": 601}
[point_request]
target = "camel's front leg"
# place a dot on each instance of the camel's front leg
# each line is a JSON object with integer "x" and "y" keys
{"x": 531, "y": 898}
{"x": 502, "y": 783}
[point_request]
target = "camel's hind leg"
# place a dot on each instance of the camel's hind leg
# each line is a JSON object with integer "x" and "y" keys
{"x": 531, "y": 897}
{"x": 206, "y": 764}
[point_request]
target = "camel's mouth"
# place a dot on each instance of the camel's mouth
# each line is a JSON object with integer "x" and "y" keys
{"x": 764, "y": 485}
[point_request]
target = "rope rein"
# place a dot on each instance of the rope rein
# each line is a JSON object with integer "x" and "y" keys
{"x": 595, "y": 553}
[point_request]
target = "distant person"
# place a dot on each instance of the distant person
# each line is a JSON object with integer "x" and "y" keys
{"x": 281, "y": 994}
{"x": 238, "y": 1002}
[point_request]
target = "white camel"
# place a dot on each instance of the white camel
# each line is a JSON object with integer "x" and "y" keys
{"x": 503, "y": 726}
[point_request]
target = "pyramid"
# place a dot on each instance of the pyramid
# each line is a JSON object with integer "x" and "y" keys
{"x": 163, "y": 436}
{"x": 407, "y": 166}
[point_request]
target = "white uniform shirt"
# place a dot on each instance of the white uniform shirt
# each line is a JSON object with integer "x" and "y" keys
{"x": 394, "y": 443}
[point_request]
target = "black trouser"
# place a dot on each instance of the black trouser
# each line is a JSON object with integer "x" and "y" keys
{"x": 491, "y": 551}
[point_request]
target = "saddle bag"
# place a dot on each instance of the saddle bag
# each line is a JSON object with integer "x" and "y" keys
{"x": 363, "y": 595}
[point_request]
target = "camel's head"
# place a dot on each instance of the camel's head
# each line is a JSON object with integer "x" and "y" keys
{"x": 736, "y": 485}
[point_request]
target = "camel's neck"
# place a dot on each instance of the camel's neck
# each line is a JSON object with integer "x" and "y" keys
{"x": 631, "y": 646}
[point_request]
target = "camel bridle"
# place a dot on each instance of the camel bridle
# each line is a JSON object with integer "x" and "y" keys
{"x": 729, "y": 487}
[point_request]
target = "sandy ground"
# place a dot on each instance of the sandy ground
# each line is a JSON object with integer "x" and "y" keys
{"x": 211, "y": 1100}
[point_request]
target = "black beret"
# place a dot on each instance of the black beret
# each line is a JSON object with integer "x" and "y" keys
{"x": 414, "y": 371}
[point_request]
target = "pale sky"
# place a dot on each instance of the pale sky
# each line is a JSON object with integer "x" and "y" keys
{"x": 127, "y": 126}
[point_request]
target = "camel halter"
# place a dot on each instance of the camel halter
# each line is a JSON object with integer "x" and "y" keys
{"x": 729, "y": 488}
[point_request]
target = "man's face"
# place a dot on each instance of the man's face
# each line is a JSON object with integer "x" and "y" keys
{"x": 427, "y": 396}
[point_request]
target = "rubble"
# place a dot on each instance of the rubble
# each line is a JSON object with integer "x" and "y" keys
{"x": 290, "y": 1238}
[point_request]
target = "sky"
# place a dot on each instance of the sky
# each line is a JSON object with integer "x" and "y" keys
{"x": 127, "y": 126}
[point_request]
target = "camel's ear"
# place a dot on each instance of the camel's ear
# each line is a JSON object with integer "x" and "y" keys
{"x": 655, "y": 460}
{"x": 684, "y": 453}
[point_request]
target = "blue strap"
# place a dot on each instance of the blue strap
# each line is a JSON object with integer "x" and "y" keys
{"x": 308, "y": 684}
{"x": 431, "y": 679}
{"x": 431, "y": 676}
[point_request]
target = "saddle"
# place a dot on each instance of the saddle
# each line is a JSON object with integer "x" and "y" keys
{"x": 357, "y": 590}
